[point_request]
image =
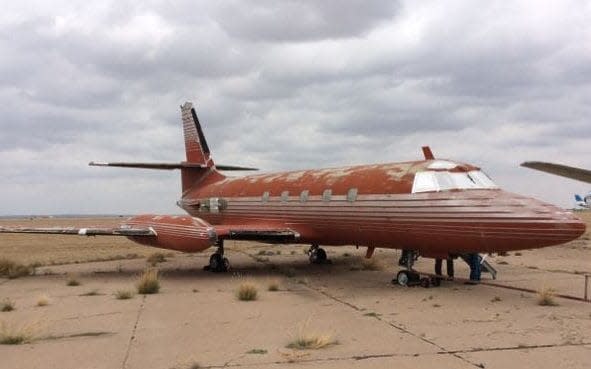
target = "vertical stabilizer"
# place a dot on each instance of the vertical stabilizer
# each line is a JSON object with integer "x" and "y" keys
{"x": 196, "y": 150}
{"x": 196, "y": 147}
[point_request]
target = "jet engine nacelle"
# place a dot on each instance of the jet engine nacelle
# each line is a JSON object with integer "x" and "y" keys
{"x": 174, "y": 232}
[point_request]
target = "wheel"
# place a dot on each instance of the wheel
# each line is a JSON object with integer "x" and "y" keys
{"x": 436, "y": 282}
{"x": 425, "y": 282}
{"x": 216, "y": 263}
{"x": 226, "y": 264}
{"x": 402, "y": 278}
{"x": 317, "y": 256}
{"x": 321, "y": 256}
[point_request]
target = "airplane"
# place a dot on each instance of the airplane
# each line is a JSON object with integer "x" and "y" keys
{"x": 433, "y": 208}
{"x": 583, "y": 203}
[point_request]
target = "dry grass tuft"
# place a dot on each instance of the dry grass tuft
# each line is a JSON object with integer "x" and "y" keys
{"x": 124, "y": 294}
{"x": 546, "y": 297}
{"x": 43, "y": 300}
{"x": 91, "y": 293}
{"x": 12, "y": 270}
{"x": 309, "y": 340}
{"x": 73, "y": 280}
{"x": 13, "y": 335}
{"x": 149, "y": 282}
{"x": 257, "y": 351}
{"x": 273, "y": 286}
{"x": 155, "y": 258}
{"x": 312, "y": 342}
{"x": 247, "y": 291}
{"x": 7, "y": 305}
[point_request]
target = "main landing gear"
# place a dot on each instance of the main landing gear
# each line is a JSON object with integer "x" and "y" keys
{"x": 317, "y": 255}
{"x": 409, "y": 277}
{"x": 217, "y": 262}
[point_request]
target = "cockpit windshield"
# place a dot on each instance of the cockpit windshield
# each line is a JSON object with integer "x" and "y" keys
{"x": 429, "y": 181}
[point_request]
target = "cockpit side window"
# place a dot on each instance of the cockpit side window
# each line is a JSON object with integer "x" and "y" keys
{"x": 434, "y": 181}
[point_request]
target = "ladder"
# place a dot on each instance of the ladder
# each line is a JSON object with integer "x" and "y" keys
{"x": 482, "y": 266}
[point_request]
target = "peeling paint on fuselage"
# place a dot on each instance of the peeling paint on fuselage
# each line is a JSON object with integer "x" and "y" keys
{"x": 368, "y": 179}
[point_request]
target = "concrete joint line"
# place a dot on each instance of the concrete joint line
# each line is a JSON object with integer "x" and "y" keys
{"x": 132, "y": 338}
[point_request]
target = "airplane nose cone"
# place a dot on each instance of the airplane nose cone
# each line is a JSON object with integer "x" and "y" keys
{"x": 542, "y": 224}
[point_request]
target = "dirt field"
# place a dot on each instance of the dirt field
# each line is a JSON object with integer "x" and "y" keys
{"x": 196, "y": 318}
{"x": 53, "y": 249}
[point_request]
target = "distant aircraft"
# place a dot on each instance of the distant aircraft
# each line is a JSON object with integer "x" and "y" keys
{"x": 583, "y": 203}
{"x": 433, "y": 208}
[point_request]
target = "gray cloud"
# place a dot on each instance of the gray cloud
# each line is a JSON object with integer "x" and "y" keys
{"x": 294, "y": 20}
{"x": 284, "y": 85}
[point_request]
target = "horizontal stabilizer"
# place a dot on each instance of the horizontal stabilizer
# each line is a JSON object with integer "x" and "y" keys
{"x": 579, "y": 174}
{"x": 147, "y": 232}
{"x": 166, "y": 166}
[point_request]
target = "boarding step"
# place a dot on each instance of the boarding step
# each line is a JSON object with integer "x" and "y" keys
{"x": 483, "y": 264}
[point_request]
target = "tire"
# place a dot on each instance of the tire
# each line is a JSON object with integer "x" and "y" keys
{"x": 318, "y": 256}
{"x": 402, "y": 278}
{"x": 425, "y": 282}
{"x": 226, "y": 264}
{"x": 216, "y": 263}
{"x": 313, "y": 256}
{"x": 436, "y": 282}
{"x": 321, "y": 256}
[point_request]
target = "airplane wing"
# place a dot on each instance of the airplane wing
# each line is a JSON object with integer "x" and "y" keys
{"x": 229, "y": 232}
{"x": 579, "y": 174}
{"x": 120, "y": 231}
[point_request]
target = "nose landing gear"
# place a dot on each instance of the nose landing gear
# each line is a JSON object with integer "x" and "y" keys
{"x": 409, "y": 277}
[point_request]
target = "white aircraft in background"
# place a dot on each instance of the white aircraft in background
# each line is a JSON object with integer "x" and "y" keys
{"x": 578, "y": 174}
{"x": 583, "y": 203}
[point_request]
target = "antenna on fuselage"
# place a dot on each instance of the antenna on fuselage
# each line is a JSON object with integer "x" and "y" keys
{"x": 428, "y": 154}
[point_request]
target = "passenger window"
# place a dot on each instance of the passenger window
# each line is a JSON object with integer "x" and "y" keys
{"x": 326, "y": 195}
{"x": 284, "y": 196}
{"x": 265, "y": 197}
{"x": 352, "y": 195}
{"x": 304, "y": 195}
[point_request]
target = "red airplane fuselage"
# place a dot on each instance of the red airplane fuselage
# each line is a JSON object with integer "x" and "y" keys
{"x": 381, "y": 206}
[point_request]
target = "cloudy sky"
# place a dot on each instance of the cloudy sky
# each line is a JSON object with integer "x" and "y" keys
{"x": 285, "y": 85}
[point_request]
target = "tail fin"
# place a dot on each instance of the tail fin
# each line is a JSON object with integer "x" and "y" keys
{"x": 196, "y": 146}
{"x": 196, "y": 150}
{"x": 578, "y": 198}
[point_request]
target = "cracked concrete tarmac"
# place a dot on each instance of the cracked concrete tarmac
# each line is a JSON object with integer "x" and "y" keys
{"x": 197, "y": 319}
